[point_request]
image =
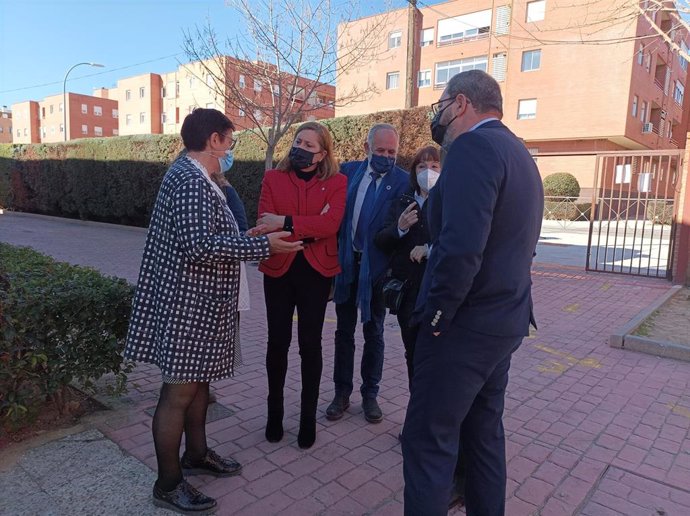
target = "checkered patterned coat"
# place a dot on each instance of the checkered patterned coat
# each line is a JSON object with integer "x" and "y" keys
{"x": 184, "y": 316}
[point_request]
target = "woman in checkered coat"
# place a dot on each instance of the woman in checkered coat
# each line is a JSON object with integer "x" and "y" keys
{"x": 184, "y": 316}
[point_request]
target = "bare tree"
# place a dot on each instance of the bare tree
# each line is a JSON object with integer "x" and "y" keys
{"x": 289, "y": 50}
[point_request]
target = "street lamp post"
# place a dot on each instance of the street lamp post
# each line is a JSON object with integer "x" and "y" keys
{"x": 64, "y": 96}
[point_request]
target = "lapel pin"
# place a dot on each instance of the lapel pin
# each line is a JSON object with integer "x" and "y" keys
{"x": 388, "y": 187}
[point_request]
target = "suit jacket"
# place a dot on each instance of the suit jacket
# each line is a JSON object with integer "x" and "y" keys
{"x": 184, "y": 315}
{"x": 283, "y": 193}
{"x": 485, "y": 216}
{"x": 374, "y": 260}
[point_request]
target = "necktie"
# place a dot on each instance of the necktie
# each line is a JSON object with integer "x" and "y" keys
{"x": 365, "y": 212}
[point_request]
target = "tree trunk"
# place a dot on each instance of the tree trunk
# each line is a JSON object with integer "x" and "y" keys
{"x": 270, "y": 149}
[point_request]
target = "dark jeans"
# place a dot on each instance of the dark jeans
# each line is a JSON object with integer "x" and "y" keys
{"x": 372, "y": 355}
{"x": 458, "y": 389}
{"x": 307, "y": 290}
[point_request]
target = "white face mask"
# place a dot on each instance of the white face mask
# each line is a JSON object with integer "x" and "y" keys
{"x": 427, "y": 179}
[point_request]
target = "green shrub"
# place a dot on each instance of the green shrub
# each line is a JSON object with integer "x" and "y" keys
{"x": 117, "y": 179}
{"x": 561, "y": 184}
{"x": 60, "y": 324}
{"x": 660, "y": 211}
{"x": 566, "y": 209}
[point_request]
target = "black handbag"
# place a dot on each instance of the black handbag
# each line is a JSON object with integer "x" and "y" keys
{"x": 393, "y": 290}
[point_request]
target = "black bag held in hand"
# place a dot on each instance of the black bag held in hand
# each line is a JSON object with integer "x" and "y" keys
{"x": 393, "y": 290}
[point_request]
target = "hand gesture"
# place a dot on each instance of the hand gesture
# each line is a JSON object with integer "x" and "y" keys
{"x": 278, "y": 245}
{"x": 408, "y": 218}
{"x": 258, "y": 230}
{"x": 272, "y": 221}
{"x": 419, "y": 253}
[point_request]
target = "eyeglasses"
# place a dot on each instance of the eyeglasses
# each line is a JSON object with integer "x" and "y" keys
{"x": 436, "y": 106}
{"x": 233, "y": 142}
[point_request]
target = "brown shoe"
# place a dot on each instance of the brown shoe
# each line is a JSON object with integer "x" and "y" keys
{"x": 337, "y": 407}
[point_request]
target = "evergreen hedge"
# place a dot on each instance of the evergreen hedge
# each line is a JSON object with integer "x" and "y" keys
{"x": 116, "y": 179}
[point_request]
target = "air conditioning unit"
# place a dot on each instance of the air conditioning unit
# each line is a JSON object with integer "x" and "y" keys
{"x": 647, "y": 128}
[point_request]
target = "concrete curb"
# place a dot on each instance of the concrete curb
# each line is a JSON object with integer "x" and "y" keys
{"x": 623, "y": 339}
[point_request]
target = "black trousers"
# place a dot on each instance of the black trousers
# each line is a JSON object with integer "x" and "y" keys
{"x": 407, "y": 332}
{"x": 303, "y": 288}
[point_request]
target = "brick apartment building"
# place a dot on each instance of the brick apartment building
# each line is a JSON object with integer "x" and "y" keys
{"x": 624, "y": 89}
{"x": 156, "y": 104}
{"x": 5, "y": 125}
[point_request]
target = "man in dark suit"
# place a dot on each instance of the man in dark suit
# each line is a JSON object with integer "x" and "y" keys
{"x": 475, "y": 304}
{"x": 372, "y": 185}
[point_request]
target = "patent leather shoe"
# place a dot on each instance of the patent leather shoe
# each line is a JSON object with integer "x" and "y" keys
{"x": 211, "y": 464}
{"x": 184, "y": 499}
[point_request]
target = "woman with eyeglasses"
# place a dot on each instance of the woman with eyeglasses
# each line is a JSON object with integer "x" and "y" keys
{"x": 184, "y": 315}
{"x": 305, "y": 195}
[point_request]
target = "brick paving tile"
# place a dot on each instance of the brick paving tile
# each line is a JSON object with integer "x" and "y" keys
{"x": 574, "y": 405}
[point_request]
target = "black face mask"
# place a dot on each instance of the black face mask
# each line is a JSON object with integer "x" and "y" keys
{"x": 438, "y": 131}
{"x": 300, "y": 158}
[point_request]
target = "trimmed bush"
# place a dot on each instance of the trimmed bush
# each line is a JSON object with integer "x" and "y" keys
{"x": 660, "y": 211}
{"x": 561, "y": 184}
{"x": 116, "y": 179}
{"x": 59, "y": 324}
{"x": 566, "y": 209}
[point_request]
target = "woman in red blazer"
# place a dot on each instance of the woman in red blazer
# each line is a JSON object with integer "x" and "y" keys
{"x": 305, "y": 194}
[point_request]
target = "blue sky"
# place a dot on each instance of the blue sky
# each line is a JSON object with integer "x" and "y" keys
{"x": 41, "y": 39}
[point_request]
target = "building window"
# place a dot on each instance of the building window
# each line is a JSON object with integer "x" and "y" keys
{"x": 62, "y": 128}
{"x": 26, "y": 132}
{"x": 209, "y": 80}
{"x": 644, "y": 182}
{"x": 50, "y": 109}
{"x": 527, "y": 109}
{"x": 257, "y": 86}
{"x": 634, "y": 107}
{"x": 116, "y": 113}
{"x": 465, "y": 27}
{"x": 678, "y": 93}
{"x": 684, "y": 52}
{"x": 142, "y": 92}
{"x": 499, "y": 64}
{"x": 98, "y": 110}
{"x": 128, "y": 119}
{"x": 191, "y": 81}
{"x": 258, "y": 115}
{"x": 643, "y": 112}
{"x": 640, "y": 54}
{"x": 395, "y": 39}
{"x": 648, "y": 62}
{"x": 84, "y": 109}
{"x": 276, "y": 90}
{"x": 427, "y": 37}
{"x": 128, "y": 94}
{"x": 98, "y": 131}
{"x": 241, "y": 82}
{"x": 164, "y": 118}
{"x": 116, "y": 132}
{"x": 502, "y": 20}
{"x": 142, "y": 117}
{"x": 424, "y": 78}
{"x": 240, "y": 112}
{"x": 623, "y": 174}
{"x": 531, "y": 60}
{"x": 61, "y": 107}
{"x": 446, "y": 69}
{"x": 84, "y": 129}
{"x": 392, "y": 80}
{"x": 536, "y": 10}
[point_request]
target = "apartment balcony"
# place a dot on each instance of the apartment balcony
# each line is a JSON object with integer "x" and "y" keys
{"x": 464, "y": 39}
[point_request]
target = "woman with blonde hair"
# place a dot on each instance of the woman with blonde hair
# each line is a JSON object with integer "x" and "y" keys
{"x": 305, "y": 195}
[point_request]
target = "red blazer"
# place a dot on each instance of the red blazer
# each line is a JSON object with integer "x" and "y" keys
{"x": 283, "y": 193}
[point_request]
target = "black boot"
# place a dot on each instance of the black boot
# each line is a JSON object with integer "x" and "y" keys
{"x": 307, "y": 430}
{"x": 274, "y": 425}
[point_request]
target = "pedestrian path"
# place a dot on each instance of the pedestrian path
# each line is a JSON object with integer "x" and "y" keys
{"x": 590, "y": 429}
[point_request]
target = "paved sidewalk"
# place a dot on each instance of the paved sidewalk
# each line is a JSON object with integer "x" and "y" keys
{"x": 590, "y": 429}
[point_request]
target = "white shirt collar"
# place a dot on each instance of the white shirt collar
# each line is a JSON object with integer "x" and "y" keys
{"x": 481, "y": 122}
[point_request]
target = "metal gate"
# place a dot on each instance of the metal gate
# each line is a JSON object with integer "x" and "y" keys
{"x": 634, "y": 200}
